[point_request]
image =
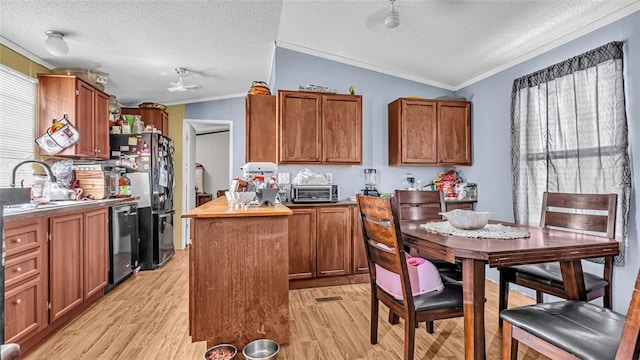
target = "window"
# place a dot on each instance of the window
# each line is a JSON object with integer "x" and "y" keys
{"x": 569, "y": 134}
{"x": 17, "y": 124}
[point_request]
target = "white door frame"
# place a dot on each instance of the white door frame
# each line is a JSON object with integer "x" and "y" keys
{"x": 188, "y": 161}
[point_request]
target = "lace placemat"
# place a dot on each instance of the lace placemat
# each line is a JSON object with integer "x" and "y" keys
{"x": 491, "y": 231}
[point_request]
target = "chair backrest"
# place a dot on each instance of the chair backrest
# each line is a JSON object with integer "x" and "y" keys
{"x": 558, "y": 211}
{"x": 419, "y": 205}
{"x": 629, "y": 347}
{"x": 380, "y": 225}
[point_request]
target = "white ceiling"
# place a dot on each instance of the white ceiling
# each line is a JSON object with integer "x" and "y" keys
{"x": 228, "y": 44}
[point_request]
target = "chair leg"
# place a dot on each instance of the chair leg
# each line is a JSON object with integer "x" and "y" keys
{"x": 393, "y": 318}
{"x": 607, "y": 300}
{"x": 503, "y": 297}
{"x": 430, "y": 327}
{"x": 539, "y": 297}
{"x": 374, "y": 320}
{"x": 409, "y": 337}
{"x": 509, "y": 345}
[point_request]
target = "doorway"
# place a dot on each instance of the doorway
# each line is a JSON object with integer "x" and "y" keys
{"x": 195, "y": 133}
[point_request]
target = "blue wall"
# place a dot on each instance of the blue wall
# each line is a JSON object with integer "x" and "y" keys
{"x": 491, "y": 99}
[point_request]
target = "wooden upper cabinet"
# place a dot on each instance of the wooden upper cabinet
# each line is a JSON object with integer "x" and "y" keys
{"x": 87, "y": 109}
{"x": 260, "y": 129}
{"x": 429, "y": 132}
{"x": 316, "y": 128}
{"x": 300, "y": 127}
{"x": 151, "y": 116}
{"x": 454, "y": 132}
{"x": 342, "y": 129}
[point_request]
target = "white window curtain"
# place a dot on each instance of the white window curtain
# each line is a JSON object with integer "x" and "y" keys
{"x": 569, "y": 134}
{"x": 17, "y": 124}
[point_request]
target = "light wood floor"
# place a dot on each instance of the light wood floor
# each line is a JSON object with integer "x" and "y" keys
{"x": 147, "y": 318}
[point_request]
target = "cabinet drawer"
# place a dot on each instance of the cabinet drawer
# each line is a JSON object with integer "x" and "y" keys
{"x": 22, "y": 267}
{"x": 21, "y": 236}
{"x": 22, "y": 316}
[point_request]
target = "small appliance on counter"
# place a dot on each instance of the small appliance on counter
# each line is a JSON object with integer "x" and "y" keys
{"x": 100, "y": 181}
{"x": 315, "y": 193}
{"x": 370, "y": 183}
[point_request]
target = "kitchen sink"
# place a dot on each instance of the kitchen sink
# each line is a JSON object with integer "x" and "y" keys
{"x": 10, "y": 209}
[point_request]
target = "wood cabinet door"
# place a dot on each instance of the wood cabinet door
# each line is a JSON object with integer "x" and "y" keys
{"x": 302, "y": 244}
{"x": 418, "y": 132}
{"x": 65, "y": 264}
{"x": 56, "y": 96}
{"x": 96, "y": 244}
{"x": 300, "y": 127}
{"x": 260, "y": 128}
{"x": 156, "y": 117}
{"x": 359, "y": 264}
{"x": 23, "y": 311}
{"x": 454, "y": 132}
{"x": 84, "y": 122}
{"x": 342, "y": 129}
{"x": 334, "y": 241}
{"x": 165, "y": 123}
{"x": 101, "y": 125}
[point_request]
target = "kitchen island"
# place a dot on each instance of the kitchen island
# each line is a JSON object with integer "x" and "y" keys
{"x": 238, "y": 274}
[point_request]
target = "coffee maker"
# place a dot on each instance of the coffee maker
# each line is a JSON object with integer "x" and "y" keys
{"x": 370, "y": 183}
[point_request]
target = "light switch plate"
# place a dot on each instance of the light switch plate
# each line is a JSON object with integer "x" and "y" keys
{"x": 329, "y": 177}
{"x": 283, "y": 178}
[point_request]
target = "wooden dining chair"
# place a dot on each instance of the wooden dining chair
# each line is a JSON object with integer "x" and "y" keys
{"x": 563, "y": 211}
{"x": 426, "y": 206}
{"x": 380, "y": 226}
{"x": 574, "y": 330}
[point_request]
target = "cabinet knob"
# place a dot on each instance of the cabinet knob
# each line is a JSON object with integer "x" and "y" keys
{"x": 18, "y": 269}
{"x": 98, "y": 150}
{"x": 17, "y": 302}
{"x": 17, "y": 241}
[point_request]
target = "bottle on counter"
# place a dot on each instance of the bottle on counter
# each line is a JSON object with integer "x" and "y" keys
{"x": 124, "y": 186}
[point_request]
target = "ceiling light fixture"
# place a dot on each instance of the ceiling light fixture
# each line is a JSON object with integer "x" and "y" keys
{"x": 392, "y": 19}
{"x": 55, "y": 43}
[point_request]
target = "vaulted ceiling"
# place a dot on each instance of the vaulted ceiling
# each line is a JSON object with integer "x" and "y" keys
{"x": 228, "y": 44}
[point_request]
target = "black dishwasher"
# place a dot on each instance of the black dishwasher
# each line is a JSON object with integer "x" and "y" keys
{"x": 123, "y": 243}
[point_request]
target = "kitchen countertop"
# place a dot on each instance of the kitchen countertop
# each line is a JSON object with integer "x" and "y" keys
{"x": 218, "y": 208}
{"x": 65, "y": 206}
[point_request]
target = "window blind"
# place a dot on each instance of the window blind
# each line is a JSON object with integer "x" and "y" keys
{"x": 17, "y": 124}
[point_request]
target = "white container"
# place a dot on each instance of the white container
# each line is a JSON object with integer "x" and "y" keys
{"x": 116, "y": 129}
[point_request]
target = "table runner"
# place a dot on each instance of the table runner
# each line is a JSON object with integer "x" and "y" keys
{"x": 491, "y": 231}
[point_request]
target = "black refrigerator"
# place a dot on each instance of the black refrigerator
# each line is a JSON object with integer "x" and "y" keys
{"x": 148, "y": 160}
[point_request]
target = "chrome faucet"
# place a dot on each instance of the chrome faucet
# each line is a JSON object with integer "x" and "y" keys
{"x": 52, "y": 178}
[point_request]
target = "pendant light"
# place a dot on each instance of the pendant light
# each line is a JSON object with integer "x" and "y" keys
{"x": 392, "y": 19}
{"x": 55, "y": 43}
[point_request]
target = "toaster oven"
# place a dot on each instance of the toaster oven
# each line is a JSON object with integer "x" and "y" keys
{"x": 315, "y": 193}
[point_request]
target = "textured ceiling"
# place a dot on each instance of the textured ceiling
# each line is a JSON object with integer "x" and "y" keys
{"x": 228, "y": 44}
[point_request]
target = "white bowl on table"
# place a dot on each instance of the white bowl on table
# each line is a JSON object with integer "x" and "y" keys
{"x": 466, "y": 219}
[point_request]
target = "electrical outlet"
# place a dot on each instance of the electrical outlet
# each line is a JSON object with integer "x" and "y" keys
{"x": 283, "y": 178}
{"x": 329, "y": 177}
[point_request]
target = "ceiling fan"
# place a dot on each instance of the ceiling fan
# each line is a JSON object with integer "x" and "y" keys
{"x": 181, "y": 85}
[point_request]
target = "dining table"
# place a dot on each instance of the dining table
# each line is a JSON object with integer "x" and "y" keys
{"x": 540, "y": 246}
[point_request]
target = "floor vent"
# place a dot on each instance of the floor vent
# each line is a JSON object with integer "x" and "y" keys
{"x": 328, "y": 298}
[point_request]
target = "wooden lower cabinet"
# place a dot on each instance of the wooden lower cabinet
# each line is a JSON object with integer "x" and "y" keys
{"x": 25, "y": 279}
{"x": 333, "y": 241}
{"x": 360, "y": 264}
{"x": 96, "y": 251}
{"x": 56, "y": 267}
{"x": 302, "y": 244}
{"x": 65, "y": 263}
{"x": 325, "y": 246}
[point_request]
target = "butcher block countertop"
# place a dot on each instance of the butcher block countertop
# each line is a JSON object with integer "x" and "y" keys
{"x": 218, "y": 208}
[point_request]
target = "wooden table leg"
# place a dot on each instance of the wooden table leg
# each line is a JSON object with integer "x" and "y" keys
{"x": 573, "y": 280}
{"x": 473, "y": 277}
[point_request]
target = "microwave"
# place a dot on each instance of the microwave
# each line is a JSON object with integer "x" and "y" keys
{"x": 315, "y": 193}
